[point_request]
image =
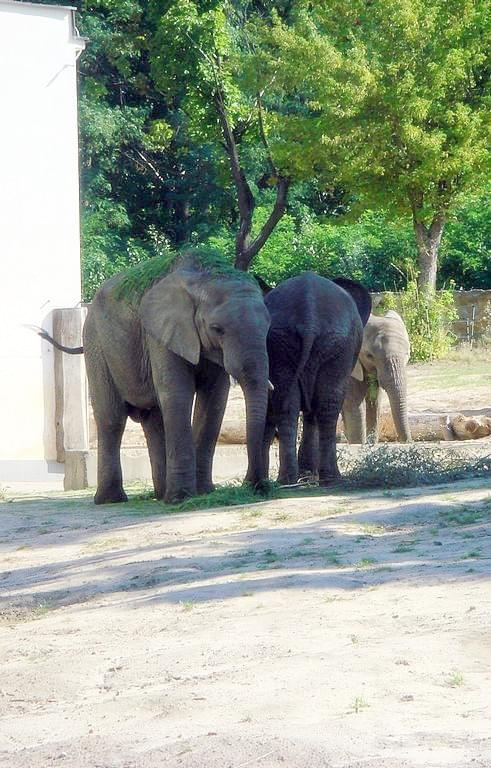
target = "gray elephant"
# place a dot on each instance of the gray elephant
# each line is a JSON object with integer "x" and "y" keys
{"x": 382, "y": 363}
{"x": 149, "y": 358}
{"x": 313, "y": 343}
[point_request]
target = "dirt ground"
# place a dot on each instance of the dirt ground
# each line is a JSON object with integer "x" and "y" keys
{"x": 343, "y": 631}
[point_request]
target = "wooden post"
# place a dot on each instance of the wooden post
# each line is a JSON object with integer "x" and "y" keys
{"x": 71, "y": 399}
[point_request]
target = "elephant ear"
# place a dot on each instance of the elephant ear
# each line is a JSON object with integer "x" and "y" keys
{"x": 265, "y": 288}
{"x": 167, "y": 313}
{"x": 357, "y": 371}
{"x": 359, "y": 294}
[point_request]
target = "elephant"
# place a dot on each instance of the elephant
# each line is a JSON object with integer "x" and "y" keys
{"x": 192, "y": 329}
{"x": 382, "y": 363}
{"x": 313, "y": 343}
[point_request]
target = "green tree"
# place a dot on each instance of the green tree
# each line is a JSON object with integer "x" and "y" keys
{"x": 415, "y": 133}
{"x": 466, "y": 249}
{"x": 147, "y": 179}
{"x": 199, "y": 55}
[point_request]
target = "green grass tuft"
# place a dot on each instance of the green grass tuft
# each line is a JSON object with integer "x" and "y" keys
{"x": 223, "y": 496}
{"x": 138, "y": 278}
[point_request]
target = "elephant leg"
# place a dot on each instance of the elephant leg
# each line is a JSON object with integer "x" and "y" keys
{"x": 110, "y": 417}
{"x": 211, "y": 400}
{"x": 354, "y": 411}
{"x": 174, "y": 381}
{"x": 269, "y": 431}
{"x": 373, "y": 415}
{"x": 109, "y": 471}
{"x": 287, "y": 423}
{"x": 153, "y": 428}
{"x": 328, "y": 400}
{"x": 308, "y": 452}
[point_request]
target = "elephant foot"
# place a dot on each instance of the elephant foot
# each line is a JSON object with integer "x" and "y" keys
{"x": 261, "y": 487}
{"x": 175, "y": 495}
{"x": 288, "y": 479}
{"x": 111, "y": 496}
{"x": 204, "y": 487}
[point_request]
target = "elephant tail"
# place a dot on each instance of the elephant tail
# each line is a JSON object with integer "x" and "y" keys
{"x": 45, "y": 335}
{"x": 308, "y": 339}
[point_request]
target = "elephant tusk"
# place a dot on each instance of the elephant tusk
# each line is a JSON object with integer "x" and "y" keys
{"x": 233, "y": 382}
{"x": 270, "y": 385}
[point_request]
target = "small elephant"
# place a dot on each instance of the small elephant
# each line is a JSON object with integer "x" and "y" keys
{"x": 382, "y": 363}
{"x": 313, "y": 343}
{"x": 149, "y": 359}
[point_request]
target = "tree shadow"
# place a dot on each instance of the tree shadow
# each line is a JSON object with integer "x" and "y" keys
{"x": 400, "y": 540}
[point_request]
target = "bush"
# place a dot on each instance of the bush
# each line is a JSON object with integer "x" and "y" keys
{"x": 428, "y": 317}
{"x": 391, "y": 466}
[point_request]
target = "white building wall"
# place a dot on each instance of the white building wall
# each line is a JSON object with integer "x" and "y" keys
{"x": 39, "y": 217}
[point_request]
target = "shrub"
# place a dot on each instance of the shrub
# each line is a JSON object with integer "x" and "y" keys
{"x": 428, "y": 317}
{"x": 391, "y": 466}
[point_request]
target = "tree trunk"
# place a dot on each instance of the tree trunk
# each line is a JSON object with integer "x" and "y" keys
{"x": 428, "y": 240}
{"x": 245, "y": 250}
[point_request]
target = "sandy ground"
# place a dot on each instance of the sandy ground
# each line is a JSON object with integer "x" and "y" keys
{"x": 344, "y": 631}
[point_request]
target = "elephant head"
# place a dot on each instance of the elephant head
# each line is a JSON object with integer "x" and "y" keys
{"x": 385, "y": 354}
{"x": 224, "y": 319}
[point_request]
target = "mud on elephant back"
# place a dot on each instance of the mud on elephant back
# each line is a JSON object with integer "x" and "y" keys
{"x": 159, "y": 337}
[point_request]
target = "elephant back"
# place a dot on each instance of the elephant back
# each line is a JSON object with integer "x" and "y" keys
{"x": 359, "y": 294}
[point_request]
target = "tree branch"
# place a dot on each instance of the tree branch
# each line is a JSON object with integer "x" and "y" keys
{"x": 244, "y": 259}
{"x": 146, "y": 162}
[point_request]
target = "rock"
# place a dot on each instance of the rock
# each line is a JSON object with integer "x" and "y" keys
{"x": 470, "y": 428}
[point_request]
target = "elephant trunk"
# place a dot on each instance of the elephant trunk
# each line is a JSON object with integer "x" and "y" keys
{"x": 393, "y": 380}
{"x": 255, "y": 389}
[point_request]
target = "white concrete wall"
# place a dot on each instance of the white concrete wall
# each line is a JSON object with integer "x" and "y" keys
{"x": 39, "y": 216}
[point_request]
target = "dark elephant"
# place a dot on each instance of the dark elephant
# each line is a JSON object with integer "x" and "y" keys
{"x": 148, "y": 359}
{"x": 313, "y": 343}
{"x": 382, "y": 362}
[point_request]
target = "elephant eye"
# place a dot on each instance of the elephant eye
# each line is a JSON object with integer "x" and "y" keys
{"x": 217, "y": 328}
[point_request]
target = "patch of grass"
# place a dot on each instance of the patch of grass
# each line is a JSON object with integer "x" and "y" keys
{"x": 301, "y": 553}
{"x": 456, "y": 680}
{"x": 251, "y": 513}
{"x": 473, "y": 555}
{"x": 228, "y": 496}
{"x": 104, "y": 545}
{"x": 187, "y": 606}
{"x": 371, "y": 529}
{"x": 405, "y": 546}
{"x": 465, "y": 514}
{"x": 269, "y": 556}
{"x": 358, "y": 705}
{"x": 42, "y": 609}
{"x": 23, "y": 546}
{"x": 331, "y": 556}
{"x": 143, "y": 503}
{"x": 366, "y": 562}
